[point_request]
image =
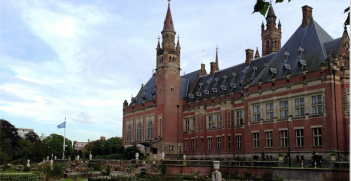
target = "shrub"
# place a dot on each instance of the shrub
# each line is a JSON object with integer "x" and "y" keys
{"x": 96, "y": 166}
{"x": 26, "y": 169}
{"x": 240, "y": 158}
{"x": 162, "y": 169}
{"x": 280, "y": 154}
{"x": 332, "y": 154}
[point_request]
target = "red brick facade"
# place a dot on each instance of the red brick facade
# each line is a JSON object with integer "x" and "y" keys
{"x": 315, "y": 101}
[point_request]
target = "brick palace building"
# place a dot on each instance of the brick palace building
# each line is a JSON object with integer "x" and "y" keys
{"x": 244, "y": 110}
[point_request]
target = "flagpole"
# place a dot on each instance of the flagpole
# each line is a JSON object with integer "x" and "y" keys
{"x": 64, "y": 141}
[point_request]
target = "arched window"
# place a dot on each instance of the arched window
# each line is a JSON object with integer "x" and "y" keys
{"x": 139, "y": 132}
{"x": 170, "y": 58}
{"x": 267, "y": 47}
{"x": 129, "y": 133}
{"x": 150, "y": 130}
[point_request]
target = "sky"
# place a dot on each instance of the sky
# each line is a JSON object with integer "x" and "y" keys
{"x": 81, "y": 59}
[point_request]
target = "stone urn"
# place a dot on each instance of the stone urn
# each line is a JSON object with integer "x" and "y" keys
{"x": 333, "y": 158}
{"x": 281, "y": 158}
{"x": 216, "y": 165}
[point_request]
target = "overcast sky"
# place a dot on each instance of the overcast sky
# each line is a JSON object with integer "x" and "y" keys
{"x": 81, "y": 59}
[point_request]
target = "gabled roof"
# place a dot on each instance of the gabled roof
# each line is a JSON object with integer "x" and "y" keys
{"x": 228, "y": 77}
{"x": 185, "y": 82}
{"x": 311, "y": 39}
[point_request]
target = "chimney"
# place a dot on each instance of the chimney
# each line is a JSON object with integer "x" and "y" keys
{"x": 88, "y": 140}
{"x": 202, "y": 70}
{"x": 249, "y": 57}
{"x": 306, "y": 15}
{"x": 214, "y": 68}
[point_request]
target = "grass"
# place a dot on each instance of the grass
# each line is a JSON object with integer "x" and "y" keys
{"x": 71, "y": 179}
{"x": 15, "y": 172}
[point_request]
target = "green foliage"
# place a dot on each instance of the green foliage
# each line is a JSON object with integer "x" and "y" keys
{"x": 96, "y": 166}
{"x": 332, "y": 154}
{"x": 162, "y": 168}
{"x": 55, "y": 173}
{"x": 280, "y": 154}
{"x": 240, "y": 158}
{"x": 26, "y": 169}
{"x": 129, "y": 152}
{"x": 55, "y": 142}
{"x": 76, "y": 176}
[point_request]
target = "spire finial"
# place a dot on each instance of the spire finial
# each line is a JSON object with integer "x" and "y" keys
{"x": 217, "y": 54}
{"x": 169, "y": 2}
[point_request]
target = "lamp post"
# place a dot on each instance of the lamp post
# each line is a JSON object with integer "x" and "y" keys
{"x": 289, "y": 143}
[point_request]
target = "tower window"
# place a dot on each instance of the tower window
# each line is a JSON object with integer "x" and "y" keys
{"x": 267, "y": 47}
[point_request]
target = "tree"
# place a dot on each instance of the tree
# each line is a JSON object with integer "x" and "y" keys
{"x": 10, "y": 132}
{"x": 129, "y": 152}
{"x": 55, "y": 144}
{"x": 31, "y": 136}
{"x": 262, "y": 7}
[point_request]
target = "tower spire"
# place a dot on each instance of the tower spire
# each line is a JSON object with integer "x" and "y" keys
{"x": 168, "y": 24}
{"x": 158, "y": 44}
{"x": 178, "y": 46}
{"x": 217, "y": 55}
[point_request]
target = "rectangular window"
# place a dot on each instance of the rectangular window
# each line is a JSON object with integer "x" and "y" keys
{"x": 284, "y": 138}
{"x": 299, "y": 137}
{"x": 193, "y": 144}
{"x": 209, "y": 143}
{"x": 229, "y": 121}
{"x": 239, "y": 118}
{"x": 238, "y": 142}
{"x": 202, "y": 143}
{"x": 185, "y": 145}
{"x": 187, "y": 125}
{"x": 193, "y": 125}
{"x": 317, "y": 104}
{"x": 269, "y": 142}
{"x": 202, "y": 123}
{"x": 284, "y": 109}
{"x": 317, "y": 136}
{"x": 218, "y": 121}
{"x": 211, "y": 122}
{"x": 219, "y": 143}
{"x": 299, "y": 107}
{"x": 256, "y": 113}
{"x": 269, "y": 111}
{"x": 256, "y": 143}
{"x": 228, "y": 142}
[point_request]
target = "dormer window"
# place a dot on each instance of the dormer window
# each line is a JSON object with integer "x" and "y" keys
{"x": 198, "y": 94}
{"x": 216, "y": 79}
{"x": 143, "y": 96}
{"x": 232, "y": 85}
{"x": 191, "y": 96}
{"x": 206, "y": 92}
{"x": 234, "y": 74}
{"x": 243, "y": 72}
{"x": 252, "y": 79}
{"x": 214, "y": 90}
{"x": 272, "y": 71}
{"x": 133, "y": 99}
{"x": 200, "y": 84}
{"x": 254, "y": 69}
{"x": 302, "y": 63}
{"x": 223, "y": 88}
{"x": 224, "y": 77}
{"x": 286, "y": 55}
{"x": 286, "y": 67}
{"x": 153, "y": 92}
{"x": 300, "y": 50}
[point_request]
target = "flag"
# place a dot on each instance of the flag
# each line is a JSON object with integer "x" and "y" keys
{"x": 62, "y": 125}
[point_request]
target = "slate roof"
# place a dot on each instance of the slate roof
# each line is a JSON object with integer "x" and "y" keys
{"x": 241, "y": 75}
{"x": 313, "y": 40}
{"x": 149, "y": 88}
{"x": 331, "y": 47}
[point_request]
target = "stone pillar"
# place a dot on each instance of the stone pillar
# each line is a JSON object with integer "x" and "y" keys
{"x": 216, "y": 175}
